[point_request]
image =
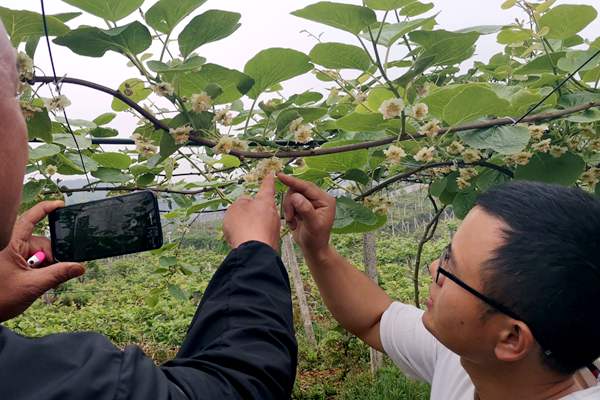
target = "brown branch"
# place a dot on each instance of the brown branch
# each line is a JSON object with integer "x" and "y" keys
{"x": 460, "y": 164}
{"x": 427, "y": 236}
{"x": 550, "y": 115}
{"x": 132, "y": 189}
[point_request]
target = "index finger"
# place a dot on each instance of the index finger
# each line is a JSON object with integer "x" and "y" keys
{"x": 267, "y": 189}
{"x": 35, "y": 214}
{"x": 307, "y": 189}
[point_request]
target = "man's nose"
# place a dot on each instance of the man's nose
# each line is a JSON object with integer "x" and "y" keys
{"x": 433, "y": 271}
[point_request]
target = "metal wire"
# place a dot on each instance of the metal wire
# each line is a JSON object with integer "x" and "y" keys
{"x": 58, "y": 90}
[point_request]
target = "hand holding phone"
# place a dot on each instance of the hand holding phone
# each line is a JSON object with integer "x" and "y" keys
{"x": 106, "y": 228}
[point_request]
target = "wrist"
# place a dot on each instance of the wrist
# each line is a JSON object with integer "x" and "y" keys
{"x": 319, "y": 255}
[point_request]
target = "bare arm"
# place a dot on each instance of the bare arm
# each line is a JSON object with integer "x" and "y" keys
{"x": 355, "y": 301}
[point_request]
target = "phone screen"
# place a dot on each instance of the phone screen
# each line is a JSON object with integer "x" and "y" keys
{"x": 106, "y": 228}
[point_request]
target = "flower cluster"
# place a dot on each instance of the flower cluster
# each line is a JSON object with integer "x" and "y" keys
{"x": 57, "y": 103}
{"x": 391, "y": 108}
{"x": 431, "y": 129}
{"x": 455, "y": 148}
{"x": 378, "y": 204}
{"x": 24, "y": 67}
{"x": 464, "y": 179}
{"x": 558, "y": 151}
{"x": 28, "y": 110}
{"x": 263, "y": 168}
{"x": 302, "y": 132}
{"x": 591, "y": 177}
{"x": 537, "y": 131}
{"x": 228, "y": 143}
{"x": 471, "y": 155}
{"x": 542, "y": 146}
{"x": 201, "y": 102}
{"x": 420, "y": 111}
{"x": 394, "y": 154}
{"x": 144, "y": 146}
{"x": 223, "y": 117}
{"x": 426, "y": 154}
{"x": 51, "y": 170}
{"x": 164, "y": 89}
{"x": 521, "y": 158}
{"x": 181, "y": 135}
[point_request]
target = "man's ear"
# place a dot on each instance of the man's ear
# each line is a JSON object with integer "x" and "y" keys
{"x": 515, "y": 341}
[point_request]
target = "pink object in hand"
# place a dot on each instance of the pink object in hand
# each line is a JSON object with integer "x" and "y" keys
{"x": 36, "y": 259}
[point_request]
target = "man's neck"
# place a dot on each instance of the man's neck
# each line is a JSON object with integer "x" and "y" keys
{"x": 517, "y": 382}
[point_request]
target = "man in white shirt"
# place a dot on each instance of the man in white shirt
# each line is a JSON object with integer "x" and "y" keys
{"x": 512, "y": 312}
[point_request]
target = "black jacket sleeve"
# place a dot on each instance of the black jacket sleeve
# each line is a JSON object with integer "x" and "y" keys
{"x": 240, "y": 345}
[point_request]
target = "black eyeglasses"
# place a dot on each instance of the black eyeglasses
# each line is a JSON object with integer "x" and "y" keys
{"x": 444, "y": 258}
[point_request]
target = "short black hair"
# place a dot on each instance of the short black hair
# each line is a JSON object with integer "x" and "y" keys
{"x": 548, "y": 268}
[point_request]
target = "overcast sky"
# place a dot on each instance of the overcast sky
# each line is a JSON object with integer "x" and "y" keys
{"x": 265, "y": 23}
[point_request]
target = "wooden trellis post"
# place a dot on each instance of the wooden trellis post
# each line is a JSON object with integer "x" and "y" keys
{"x": 291, "y": 262}
{"x": 370, "y": 262}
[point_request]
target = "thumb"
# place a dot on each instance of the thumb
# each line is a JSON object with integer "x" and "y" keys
{"x": 53, "y": 275}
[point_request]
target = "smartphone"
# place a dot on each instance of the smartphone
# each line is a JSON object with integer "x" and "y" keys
{"x": 106, "y": 228}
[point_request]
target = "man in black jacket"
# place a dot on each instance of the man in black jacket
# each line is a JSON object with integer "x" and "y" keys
{"x": 240, "y": 344}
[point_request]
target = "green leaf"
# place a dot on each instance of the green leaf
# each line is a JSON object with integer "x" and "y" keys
{"x": 545, "y": 168}
{"x": 340, "y": 162}
{"x": 40, "y": 126}
{"x": 391, "y": 33}
{"x": 416, "y": 8}
{"x": 229, "y": 161}
{"x": 132, "y": 38}
{"x": 168, "y": 145}
{"x": 353, "y": 217}
{"x": 151, "y": 300}
{"x": 113, "y": 160}
{"x": 66, "y": 140}
{"x": 340, "y": 56}
{"x": 356, "y": 175}
{"x": 112, "y": 10}
{"x": 372, "y": 122}
{"x": 104, "y": 119}
{"x": 44, "y": 151}
{"x": 540, "y": 64}
{"x": 575, "y": 59}
{"x": 505, "y": 140}
{"x": 196, "y": 208}
{"x": 167, "y": 261}
{"x": 463, "y": 203}
{"x": 446, "y": 48}
{"x": 135, "y": 89}
{"x": 273, "y": 66}
{"x": 489, "y": 178}
{"x": 178, "y": 292}
{"x": 567, "y": 20}
{"x": 209, "y": 27}
{"x": 111, "y": 175}
{"x": 193, "y": 63}
{"x": 349, "y": 211}
{"x": 104, "y": 132}
{"x": 70, "y": 164}
{"x": 387, "y": 5}
{"x": 482, "y": 29}
{"x": 31, "y": 190}
{"x": 233, "y": 83}
{"x": 512, "y": 34}
{"x": 22, "y": 25}
{"x": 166, "y": 14}
{"x": 592, "y": 115}
{"x": 346, "y": 17}
{"x": 464, "y": 103}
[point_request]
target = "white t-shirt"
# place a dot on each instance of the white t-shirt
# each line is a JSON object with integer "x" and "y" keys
{"x": 421, "y": 356}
